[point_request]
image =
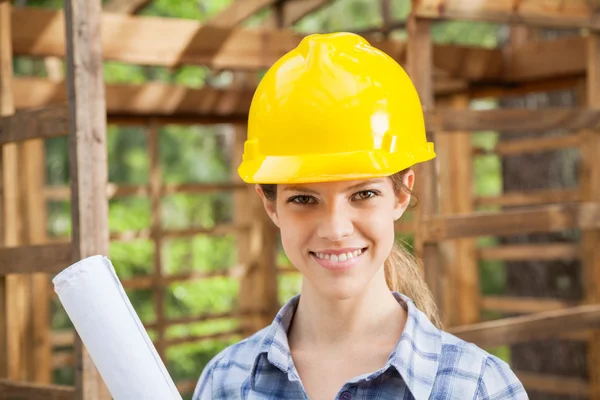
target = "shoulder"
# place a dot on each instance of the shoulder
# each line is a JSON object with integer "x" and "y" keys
{"x": 479, "y": 372}
{"x": 235, "y": 363}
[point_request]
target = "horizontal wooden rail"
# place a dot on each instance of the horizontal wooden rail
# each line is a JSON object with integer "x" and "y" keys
{"x": 512, "y": 120}
{"x": 531, "y": 252}
{"x": 11, "y": 390}
{"x": 530, "y": 198}
{"x": 41, "y": 123}
{"x": 190, "y": 42}
{"x": 287, "y": 270}
{"x": 63, "y": 193}
{"x": 47, "y": 258}
{"x": 533, "y": 145}
{"x": 523, "y": 304}
{"x": 550, "y": 218}
{"x": 556, "y": 14}
{"x": 202, "y": 338}
{"x": 545, "y": 325}
{"x": 554, "y": 384}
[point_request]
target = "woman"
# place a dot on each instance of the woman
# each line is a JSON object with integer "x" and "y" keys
{"x": 334, "y": 127}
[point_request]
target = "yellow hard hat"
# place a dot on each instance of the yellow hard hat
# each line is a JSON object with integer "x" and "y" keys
{"x": 334, "y": 108}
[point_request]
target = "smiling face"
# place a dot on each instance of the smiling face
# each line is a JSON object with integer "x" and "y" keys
{"x": 338, "y": 234}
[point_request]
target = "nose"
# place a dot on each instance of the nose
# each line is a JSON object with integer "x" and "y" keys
{"x": 335, "y": 225}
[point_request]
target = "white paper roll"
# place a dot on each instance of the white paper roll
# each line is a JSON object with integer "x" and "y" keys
{"x": 112, "y": 332}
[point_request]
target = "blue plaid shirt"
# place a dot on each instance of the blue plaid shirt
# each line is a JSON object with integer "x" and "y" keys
{"x": 426, "y": 363}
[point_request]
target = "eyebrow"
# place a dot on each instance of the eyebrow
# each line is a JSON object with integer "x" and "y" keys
{"x": 298, "y": 188}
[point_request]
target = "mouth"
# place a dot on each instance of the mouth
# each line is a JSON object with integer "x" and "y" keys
{"x": 338, "y": 261}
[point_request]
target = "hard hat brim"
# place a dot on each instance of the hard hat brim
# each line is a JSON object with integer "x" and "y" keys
{"x": 312, "y": 168}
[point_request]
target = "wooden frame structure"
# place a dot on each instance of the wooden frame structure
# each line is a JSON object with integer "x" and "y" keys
{"x": 32, "y": 110}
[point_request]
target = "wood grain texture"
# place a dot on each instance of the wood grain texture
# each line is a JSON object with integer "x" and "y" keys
{"x": 46, "y": 258}
{"x": 557, "y": 14}
{"x": 10, "y": 390}
{"x": 551, "y": 218}
{"x": 525, "y": 328}
{"x": 87, "y": 157}
{"x": 31, "y": 124}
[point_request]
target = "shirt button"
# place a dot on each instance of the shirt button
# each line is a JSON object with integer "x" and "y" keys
{"x": 345, "y": 395}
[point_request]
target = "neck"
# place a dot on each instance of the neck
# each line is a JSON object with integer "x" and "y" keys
{"x": 372, "y": 316}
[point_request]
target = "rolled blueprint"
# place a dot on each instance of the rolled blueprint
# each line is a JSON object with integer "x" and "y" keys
{"x": 112, "y": 332}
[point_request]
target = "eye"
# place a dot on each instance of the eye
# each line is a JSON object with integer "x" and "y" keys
{"x": 302, "y": 199}
{"x": 365, "y": 194}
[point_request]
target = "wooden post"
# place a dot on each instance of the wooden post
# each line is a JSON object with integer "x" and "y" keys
{"x": 461, "y": 290}
{"x": 17, "y": 339}
{"x": 419, "y": 65}
{"x": 155, "y": 198}
{"x": 257, "y": 248}
{"x": 6, "y": 108}
{"x": 590, "y": 191}
{"x": 88, "y": 158}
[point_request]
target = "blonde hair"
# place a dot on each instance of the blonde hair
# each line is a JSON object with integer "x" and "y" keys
{"x": 403, "y": 271}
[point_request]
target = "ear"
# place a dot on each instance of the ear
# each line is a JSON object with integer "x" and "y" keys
{"x": 270, "y": 205}
{"x": 403, "y": 198}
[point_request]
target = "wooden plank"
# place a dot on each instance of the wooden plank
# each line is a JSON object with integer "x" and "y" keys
{"x": 125, "y": 6}
{"x": 542, "y": 59}
{"x": 157, "y": 100}
{"x": 533, "y": 145}
{"x": 239, "y": 11}
{"x": 58, "y": 193}
{"x": 204, "y": 338}
{"x": 47, "y": 258}
{"x": 38, "y": 123}
{"x": 6, "y": 108}
{"x": 551, "y": 218}
{"x": 530, "y": 252}
{"x": 190, "y": 42}
{"x": 87, "y": 155}
{"x": 545, "y": 325}
{"x": 553, "y": 384}
{"x": 523, "y": 304}
{"x": 10, "y": 390}
{"x": 513, "y": 120}
{"x": 147, "y": 282}
{"x": 530, "y": 198}
{"x": 590, "y": 191}
{"x": 556, "y": 14}
{"x": 419, "y": 67}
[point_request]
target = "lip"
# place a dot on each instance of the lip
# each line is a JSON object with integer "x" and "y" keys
{"x": 339, "y": 265}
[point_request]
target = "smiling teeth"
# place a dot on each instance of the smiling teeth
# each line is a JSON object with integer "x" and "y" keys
{"x": 339, "y": 257}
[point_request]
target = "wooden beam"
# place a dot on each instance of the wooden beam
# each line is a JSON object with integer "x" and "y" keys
{"x": 520, "y": 305}
{"x": 47, "y": 258}
{"x": 551, "y": 218}
{"x": 529, "y": 252}
{"x": 87, "y": 155}
{"x": 530, "y": 198}
{"x": 513, "y": 120}
{"x": 525, "y": 328}
{"x": 556, "y": 14}
{"x": 10, "y": 390}
{"x": 125, "y": 6}
{"x": 41, "y": 123}
{"x": 553, "y": 384}
{"x": 533, "y": 145}
{"x": 190, "y": 42}
{"x": 543, "y": 59}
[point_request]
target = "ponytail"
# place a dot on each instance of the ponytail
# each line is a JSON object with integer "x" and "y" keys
{"x": 403, "y": 274}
